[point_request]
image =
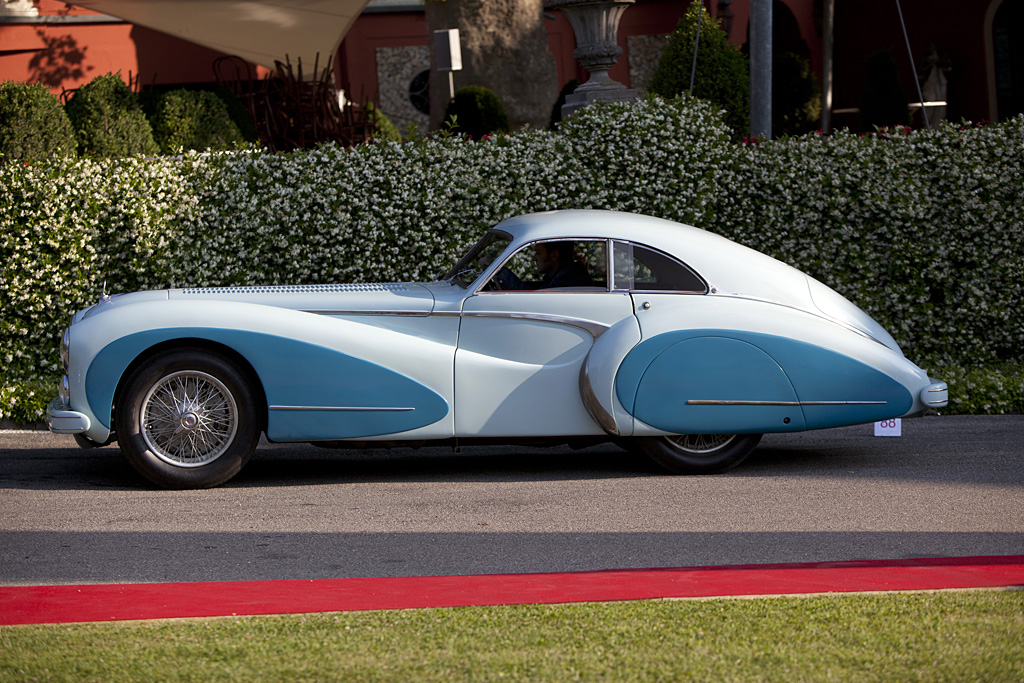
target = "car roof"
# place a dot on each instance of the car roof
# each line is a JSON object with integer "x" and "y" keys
{"x": 723, "y": 263}
{"x": 580, "y": 223}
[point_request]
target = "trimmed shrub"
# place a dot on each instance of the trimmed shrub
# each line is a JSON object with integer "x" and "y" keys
{"x": 722, "y": 76}
{"x": 108, "y": 120}
{"x": 33, "y": 125}
{"x": 477, "y": 111}
{"x": 194, "y": 120}
{"x": 884, "y": 100}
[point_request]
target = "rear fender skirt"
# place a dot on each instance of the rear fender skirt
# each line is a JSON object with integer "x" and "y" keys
{"x": 727, "y": 381}
{"x": 313, "y": 392}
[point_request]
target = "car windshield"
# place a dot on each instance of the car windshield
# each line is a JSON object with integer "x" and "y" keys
{"x": 479, "y": 257}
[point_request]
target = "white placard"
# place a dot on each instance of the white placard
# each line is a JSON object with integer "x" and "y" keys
{"x": 893, "y": 427}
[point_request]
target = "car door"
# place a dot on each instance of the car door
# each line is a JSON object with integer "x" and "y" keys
{"x": 520, "y": 353}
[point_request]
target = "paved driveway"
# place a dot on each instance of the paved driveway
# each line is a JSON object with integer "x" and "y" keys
{"x": 951, "y": 486}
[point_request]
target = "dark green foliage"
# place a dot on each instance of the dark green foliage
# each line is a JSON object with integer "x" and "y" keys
{"x": 722, "y": 77}
{"x": 556, "y": 111}
{"x": 239, "y": 113}
{"x": 108, "y": 120}
{"x": 478, "y": 112}
{"x": 33, "y": 125}
{"x": 796, "y": 99}
{"x": 884, "y": 100}
{"x": 383, "y": 129}
{"x": 194, "y": 119}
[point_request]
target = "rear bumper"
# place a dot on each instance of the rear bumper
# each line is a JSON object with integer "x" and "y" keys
{"x": 60, "y": 420}
{"x": 935, "y": 395}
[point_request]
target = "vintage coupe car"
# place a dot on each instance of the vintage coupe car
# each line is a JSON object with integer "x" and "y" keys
{"x": 676, "y": 341}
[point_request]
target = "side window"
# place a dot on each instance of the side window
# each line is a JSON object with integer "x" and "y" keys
{"x": 643, "y": 269}
{"x": 593, "y": 254}
{"x": 563, "y": 265}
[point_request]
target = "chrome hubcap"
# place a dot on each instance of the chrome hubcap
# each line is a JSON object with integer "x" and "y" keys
{"x": 189, "y": 418}
{"x": 700, "y": 444}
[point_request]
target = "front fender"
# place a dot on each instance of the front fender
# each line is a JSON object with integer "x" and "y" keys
{"x": 331, "y": 365}
{"x": 313, "y": 392}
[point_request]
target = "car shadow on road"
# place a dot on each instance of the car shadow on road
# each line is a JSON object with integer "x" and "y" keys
{"x": 974, "y": 450}
{"x": 304, "y": 466}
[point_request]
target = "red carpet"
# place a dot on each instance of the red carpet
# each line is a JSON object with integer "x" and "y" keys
{"x": 60, "y": 604}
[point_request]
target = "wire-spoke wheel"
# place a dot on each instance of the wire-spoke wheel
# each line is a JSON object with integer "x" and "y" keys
{"x": 187, "y": 419}
{"x": 699, "y": 453}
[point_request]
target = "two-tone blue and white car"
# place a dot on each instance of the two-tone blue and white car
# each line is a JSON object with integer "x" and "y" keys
{"x": 665, "y": 337}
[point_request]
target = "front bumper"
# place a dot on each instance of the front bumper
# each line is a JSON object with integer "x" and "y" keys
{"x": 60, "y": 420}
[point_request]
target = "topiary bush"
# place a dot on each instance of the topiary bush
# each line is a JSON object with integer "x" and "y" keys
{"x": 194, "y": 120}
{"x": 477, "y": 111}
{"x": 33, "y": 125}
{"x": 108, "y": 120}
{"x": 722, "y": 76}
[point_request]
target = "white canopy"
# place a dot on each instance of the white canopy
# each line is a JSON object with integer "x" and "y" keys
{"x": 259, "y": 31}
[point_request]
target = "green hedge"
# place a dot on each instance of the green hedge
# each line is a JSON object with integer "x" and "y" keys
{"x": 922, "y": 229}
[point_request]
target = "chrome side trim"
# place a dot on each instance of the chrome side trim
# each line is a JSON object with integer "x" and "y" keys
{"x": 300, "y": 289}
{"x": 601, "y": 416}
{"x": 698, "y": 402}
{"x": 325, "y": 311}
{"x": 595, "y": 329}
{"x": 361, "y": 409}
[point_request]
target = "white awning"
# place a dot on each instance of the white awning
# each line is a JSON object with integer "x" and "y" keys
{"x": 259, "y": 31}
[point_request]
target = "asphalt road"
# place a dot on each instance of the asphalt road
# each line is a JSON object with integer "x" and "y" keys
{"x": 950, "y": 486}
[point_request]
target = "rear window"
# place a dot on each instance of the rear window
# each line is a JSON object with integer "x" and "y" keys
{"x": 639, "y": 268}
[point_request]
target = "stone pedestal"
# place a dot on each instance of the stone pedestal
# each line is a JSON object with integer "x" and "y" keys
{"x": 596, "y": 24}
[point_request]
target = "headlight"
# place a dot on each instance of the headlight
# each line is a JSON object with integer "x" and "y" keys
{"x": 65, "y": 342}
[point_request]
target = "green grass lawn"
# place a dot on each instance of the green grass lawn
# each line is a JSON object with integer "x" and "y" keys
{"x": 946, "y": 636}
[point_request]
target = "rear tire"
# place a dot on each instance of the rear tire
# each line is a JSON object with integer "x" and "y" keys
{"x": 187, "y": 419}
{"x": 699, "y": 453}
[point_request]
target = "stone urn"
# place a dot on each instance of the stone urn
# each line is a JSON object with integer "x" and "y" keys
{"x": 596, "y": 24}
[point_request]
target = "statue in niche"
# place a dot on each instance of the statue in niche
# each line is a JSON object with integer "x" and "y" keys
{"x": 934, "y": 85}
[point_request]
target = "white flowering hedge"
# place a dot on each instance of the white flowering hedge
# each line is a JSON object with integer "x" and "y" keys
{"x": 922, "y": 229}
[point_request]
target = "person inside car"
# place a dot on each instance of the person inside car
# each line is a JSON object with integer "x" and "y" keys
{"x": 557, "y": 264}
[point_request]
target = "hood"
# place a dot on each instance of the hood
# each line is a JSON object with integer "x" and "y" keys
{"x": 115, "y": 300}
{"x": 399, "y": 297}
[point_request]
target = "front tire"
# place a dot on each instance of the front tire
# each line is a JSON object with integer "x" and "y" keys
{"x": 699, "y": 453}
{"x": 187, "y": 420}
